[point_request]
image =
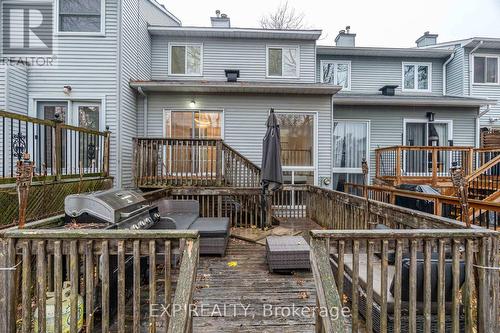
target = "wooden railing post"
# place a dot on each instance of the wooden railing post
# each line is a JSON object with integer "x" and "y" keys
{"x": 105, "y": 155}
{"x": 218, "y": 162}
{"x": 470, "y": 162}
{"x": 434, "y": 166}
{"x": 57, "y": 149}
{"x": 377, "y": 164}
{"x": 398, "y": 165}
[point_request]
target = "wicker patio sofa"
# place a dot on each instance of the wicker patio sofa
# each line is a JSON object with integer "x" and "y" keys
{"x": 377, "y": 295}
{"x": 184, "y": 215}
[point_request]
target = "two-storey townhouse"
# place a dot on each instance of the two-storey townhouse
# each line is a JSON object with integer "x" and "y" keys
{"x": 414, "y": 109}
{"x": 98, "y": 46}
{"x": 221, "y": 82}
{"x": 474, "y": 71}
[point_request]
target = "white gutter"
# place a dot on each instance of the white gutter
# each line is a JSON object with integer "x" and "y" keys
{"x": 471, "y": 65}
{"x": 444, "y": 71}
{"x": 145, "y": 106}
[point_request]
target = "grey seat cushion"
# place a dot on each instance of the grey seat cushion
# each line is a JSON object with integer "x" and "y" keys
{"x": 212, "y": 226}
{"x": 183, "y": 221}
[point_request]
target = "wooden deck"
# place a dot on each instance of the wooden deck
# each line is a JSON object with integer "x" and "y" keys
{"x": 249, "y": 284}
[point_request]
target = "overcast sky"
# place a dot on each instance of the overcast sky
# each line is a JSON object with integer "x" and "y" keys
{"x": 393, "y": 23}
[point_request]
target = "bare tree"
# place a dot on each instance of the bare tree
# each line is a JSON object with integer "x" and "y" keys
{"x": 284, "y": 17}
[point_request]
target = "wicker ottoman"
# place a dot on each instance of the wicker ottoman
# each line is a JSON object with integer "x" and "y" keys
{"x": 287, "y": 253}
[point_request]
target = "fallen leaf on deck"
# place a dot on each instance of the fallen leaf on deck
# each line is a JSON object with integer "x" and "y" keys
{"x": 303, "y": 295}
{"x": 232, "y": 264}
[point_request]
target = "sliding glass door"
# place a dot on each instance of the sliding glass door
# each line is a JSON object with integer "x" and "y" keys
{"x": 418, "y": 161}
{"x": 350, "y": 147}
{"x": 193, "y": 124}
{"x": 298, "y": 146}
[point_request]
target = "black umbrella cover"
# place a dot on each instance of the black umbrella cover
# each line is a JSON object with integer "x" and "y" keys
{"x": 272, "y": 174}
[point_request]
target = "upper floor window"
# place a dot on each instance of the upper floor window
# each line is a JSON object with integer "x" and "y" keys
{"x": 336, "y": 72}
{"x": 186, "y": 59}
{"x": 283, "y": 61}
{"x": 417, "y": 76}
{"x": 485, "y": 69}
{"x": 81, "y": 16}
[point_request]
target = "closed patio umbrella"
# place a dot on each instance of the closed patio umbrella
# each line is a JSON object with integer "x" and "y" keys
{"x": 271, "y": 171}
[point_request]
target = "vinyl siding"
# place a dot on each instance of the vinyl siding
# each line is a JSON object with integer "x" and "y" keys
{"x": 454, "y": 74}
{"x": 88, "y": 64}
{"x": 386, "y": 123}
{"x": 491, "y": 91}
{"x": 2, "y": 86}
{"x": 245, "y": 117}
{"x": 247, "y": 55}
{"x": 136, "y": 65}
{"x": 369, "y": 74}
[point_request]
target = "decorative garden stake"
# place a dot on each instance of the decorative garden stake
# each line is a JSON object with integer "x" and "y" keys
{"x": 461, "y": 188}
{"x": 23, "y": 182}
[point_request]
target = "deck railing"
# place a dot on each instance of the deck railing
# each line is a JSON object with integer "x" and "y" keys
{"x": 56, "y": 149}
{"x": 95, "y": 274}
{"x": 428, "y": 164}
{"x": 435, "y": 279}
{"x": 163, "y": 162}
{"x": 481, "y": 213}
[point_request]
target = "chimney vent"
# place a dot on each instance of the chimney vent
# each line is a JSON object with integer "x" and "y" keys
{"x": 426, "y": 39}
{"x": 346, "y": 38}
{"x": 220, "y": 20}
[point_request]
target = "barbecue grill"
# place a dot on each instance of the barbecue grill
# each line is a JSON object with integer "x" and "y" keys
{"x": 114, "y": 209}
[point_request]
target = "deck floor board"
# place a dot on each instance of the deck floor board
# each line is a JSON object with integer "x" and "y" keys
{"x": 250, "y": 284}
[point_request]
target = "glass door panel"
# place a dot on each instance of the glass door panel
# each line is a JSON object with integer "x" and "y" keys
{"x": 86, "y": 115}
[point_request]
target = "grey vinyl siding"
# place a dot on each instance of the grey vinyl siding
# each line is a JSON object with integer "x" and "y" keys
{"x": 369, "y": 74}
{"x": 136, "y": 65}
{"x": 2, "y": 86}
{"x": 17, "y": 89}
{"x": 491, "y": 91}
{"x": 88, "y": 64}
{"x": 247, "y": 55}
{"x": 454, "y": 74}
{"x": 386, "y": 123}
{"x": 245, "y": 117}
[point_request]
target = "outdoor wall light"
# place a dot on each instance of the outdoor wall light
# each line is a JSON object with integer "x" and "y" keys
{"x": 430, "y": 116}
{"x": 67, "y": 90}
{"x": 192, "y": 103}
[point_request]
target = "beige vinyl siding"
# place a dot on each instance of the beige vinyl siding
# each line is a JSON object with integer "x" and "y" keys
{"x": 386, "y": 123}
{"x": 247, "y": 55}
{"x": 369, "y": 74}
{"x": 245, "y": 119}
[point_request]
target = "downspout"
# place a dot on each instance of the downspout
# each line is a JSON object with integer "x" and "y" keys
{"x": 444, "y": 71}
{"x": 478, "y": 124}
{"x": 145, "y": 106}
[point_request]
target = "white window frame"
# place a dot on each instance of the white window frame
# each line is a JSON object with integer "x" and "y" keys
{"x": 297, "y": 70}
{"x": 335, "y": 63}
{"x": 368, "y": 142}
{"x": 314, "y": 167}
{"x": 170, "y": 45}
{"x": 102, "y": 31}
{"x": 484, "y": 55}
{"x": 416, "y": 64}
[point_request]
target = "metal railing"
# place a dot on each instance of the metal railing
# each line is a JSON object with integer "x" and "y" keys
{"x": 96, "y": 274}
{"x": 56, "y": 149}
{"x": 163, "y": 162}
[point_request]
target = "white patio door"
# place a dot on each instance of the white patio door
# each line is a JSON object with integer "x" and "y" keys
{"x": 423, "y": 133}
